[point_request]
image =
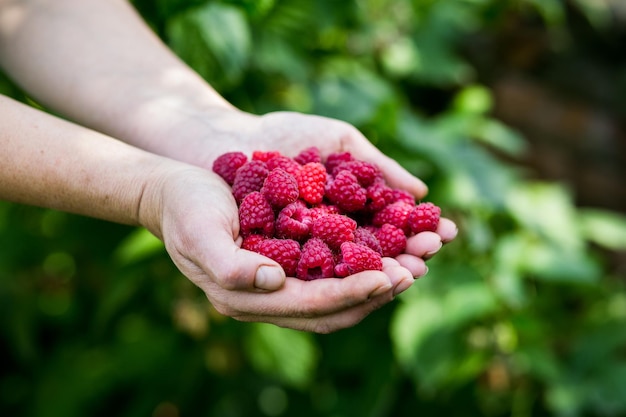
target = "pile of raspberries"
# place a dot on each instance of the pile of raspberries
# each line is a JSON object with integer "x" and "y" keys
{"x": 321, "y": 218}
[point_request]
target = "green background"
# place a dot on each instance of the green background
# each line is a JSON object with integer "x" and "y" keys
{"x": 523, "y": 315}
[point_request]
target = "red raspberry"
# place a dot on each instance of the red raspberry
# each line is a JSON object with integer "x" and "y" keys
{"x": 365, "y": 172}
{"x": 311, "y": 154}
{"x": 396, "y": 214}
{"x": 264, "y": 156}
{"x": 249, "y": 178}
{"x": 226, "y": 165}
{"x": 364, "y": 236}
{"x": 322, "y": 210}
{"x": 424, "y": 217}
{"x": 250, "y": 242}
{"x": 312, "y": 182}
{"x": 284, "y": 251}
{"x": 403, "y": 195}
{"x": 294, "y": 221}
{"x": 337, "y": 158}
{"x": 392, "y": 240}
{"x": 379, "y": 195}
{"x": 356, "y": 258}
{"x": 316, "y": 261}
{"x": 280, "y": 188}
{"x": 345, "y": 191}
{"x": 285, "y": 163}
{"x": 334, "y": 229}
{"x": 256, "y": 215}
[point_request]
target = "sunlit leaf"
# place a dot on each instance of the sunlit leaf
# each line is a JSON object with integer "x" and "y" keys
{"x": 606, "y": 228}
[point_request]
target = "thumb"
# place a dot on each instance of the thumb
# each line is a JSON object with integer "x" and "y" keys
{"x": 234, "y": 268}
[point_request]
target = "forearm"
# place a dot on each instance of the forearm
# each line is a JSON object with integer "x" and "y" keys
{"x": 97, "y": 63}
{"x": 51, "y": 163}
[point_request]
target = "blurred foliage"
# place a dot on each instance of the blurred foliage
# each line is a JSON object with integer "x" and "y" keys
{"x": 522, "y": 315}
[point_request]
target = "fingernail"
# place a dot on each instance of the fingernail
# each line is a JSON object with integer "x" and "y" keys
{"x": 380, "y": 290}
{"x": 432, "y": 253}
{"x": 403, "y": 286}
{"x": 425, "y": 272}
{"x": 269, "y": 278}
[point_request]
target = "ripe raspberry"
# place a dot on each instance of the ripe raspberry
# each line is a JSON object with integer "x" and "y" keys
{"x": 424, "y": 217}
{"x": 284, "y": 251}
{"x": 403, "y": 195}
{"x": 264, "y": 156}
{"x": 280, "y": 188}
{"x": 294, "y": 221}
{"x": 226, "y": 165}
{"x": 311, "y": 154}
{"x": 392, "y": 240}
{"x": 356, "y": 258}
{"x": 249, "y": 178}
{"x": 312, "y": 182}
{"x": 379, "y": 195}
{"x": 345, "y": 191}
{"x": 256, "y": 215}
{"x": 365, "y": 172}
{"x": 337, "y": 158}
{"x": 322, "y": 210}
{"x": 396, "y": 214}
{"x": 285, "y": 163}
{"x": 251, "y": 242}
{"x": 364, "y": 236}
{"x": 334, "y": 229}
{"x": 316, "y": 261}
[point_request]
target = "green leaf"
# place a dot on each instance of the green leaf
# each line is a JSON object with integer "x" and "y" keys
{"x": 285, "y": 354}
{"x": 214, "y": 39}
{"x": 349, "y": 92}
{"x": 603, "y": 227}
{"x": 139, "y": 245}
{"x": 548, "y": 210}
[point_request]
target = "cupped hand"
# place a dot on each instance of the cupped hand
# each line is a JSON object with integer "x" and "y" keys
{"x": 290, "y": 133}
{"x": 195, "y": 215}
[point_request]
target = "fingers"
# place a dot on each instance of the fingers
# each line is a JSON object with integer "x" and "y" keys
{"x": 328, "y": 305}
{"x": 447, "y": 229}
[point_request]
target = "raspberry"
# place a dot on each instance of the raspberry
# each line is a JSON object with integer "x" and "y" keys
{"x": 311, "y": 154}
{"x": 363, "y": 236}
{"x": 285, "y": 163}
{"x": 337, "y": 158}
{"x": 392, "y": 240}
{"x": 334, "y": 229}
{"x": 226, "y": 165}
{"x": 294, "y": 221}
{"x": 396, "y": 214}
{"x": 312, "y": 182}
{"x": 316, "y": 261}
{"x": 250, "y": 242}
{"x": 357, "y": 258}
{"x": 403, "y": 195}
{"x": 322, "y": 210}
{"x": 249, "y": 178}
{"x": 424, "y": 217}
{"x": 256, "y": 215}
{"x": 280, "y": 188}
{"x": 284, "y": 251}
{"x": 264, "y": 156}
{"x": 365, "y": 172}
{"x": 379, "y": 195}
{"x": 345, "y": 191}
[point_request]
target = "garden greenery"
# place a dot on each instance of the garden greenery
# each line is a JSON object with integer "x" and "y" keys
{"x": 522, "y": 315}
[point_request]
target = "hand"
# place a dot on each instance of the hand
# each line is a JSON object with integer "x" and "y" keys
{"x": 194, "y": 213}
{"x": 290, "y": 133}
